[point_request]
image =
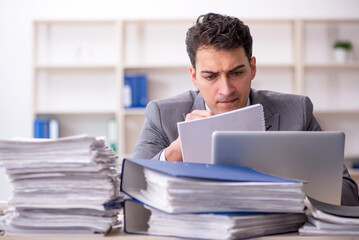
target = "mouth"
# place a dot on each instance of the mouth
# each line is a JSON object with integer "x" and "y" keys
{"x": 228, "y": 101}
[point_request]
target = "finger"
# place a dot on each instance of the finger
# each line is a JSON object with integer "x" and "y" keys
{"x": 197, "y": 114}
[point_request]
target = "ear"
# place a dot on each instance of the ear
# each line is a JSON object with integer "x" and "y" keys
{"x": 193, "y": 75}
{"x": 253, "y": 67}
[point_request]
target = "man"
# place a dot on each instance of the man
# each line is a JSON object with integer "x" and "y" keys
{"x": 220, "y": 51}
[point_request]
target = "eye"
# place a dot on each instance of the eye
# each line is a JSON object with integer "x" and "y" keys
{"x": 236, "y": 73}
{"x": 210, "y": 77}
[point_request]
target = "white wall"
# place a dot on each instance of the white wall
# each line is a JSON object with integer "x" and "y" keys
{"x": 16, "y": 37}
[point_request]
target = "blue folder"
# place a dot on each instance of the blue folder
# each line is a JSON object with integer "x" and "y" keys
{"x": 134, "y": 183}
{"x": 138, "y": 85}
{"x": 205, "y": 171}
{"x": 41, "y": 128}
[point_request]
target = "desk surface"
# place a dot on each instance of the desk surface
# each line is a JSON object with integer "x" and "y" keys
{"x": 119, "y": 234}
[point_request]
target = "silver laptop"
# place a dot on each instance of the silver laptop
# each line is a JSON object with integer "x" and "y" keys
{"x": 315, "y": 157}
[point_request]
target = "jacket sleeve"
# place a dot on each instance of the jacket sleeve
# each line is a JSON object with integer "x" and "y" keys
{"x": 349, "y": 190}
{"x": 152, "y": 140}
{"x": 349, "y": 187}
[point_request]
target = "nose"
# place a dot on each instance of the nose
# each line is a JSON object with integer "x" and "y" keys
{"x": 225, "y": 86}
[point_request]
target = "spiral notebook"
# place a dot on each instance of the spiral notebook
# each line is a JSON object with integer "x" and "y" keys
{"x": 196, "y": 135}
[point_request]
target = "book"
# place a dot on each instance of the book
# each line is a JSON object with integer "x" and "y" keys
{"x": 46, "y": 128}
{"x": 177, "y": 187}
{"x": 54, "y": 128}
{"x": 329, "y": 219}
{"x": 135, "y": 91}
{"x": 196, "y": 135}
{"x": 143, "y": 219}
{"x": 42, "y": 128}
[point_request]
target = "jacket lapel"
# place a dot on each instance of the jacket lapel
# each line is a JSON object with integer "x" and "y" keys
{"x": 198, "y": 104}
{"x": 271, "y": 118}
{"x": 272, "y": 123}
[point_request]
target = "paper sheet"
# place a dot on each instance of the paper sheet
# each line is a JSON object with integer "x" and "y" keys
{"x": 196, "y": 135}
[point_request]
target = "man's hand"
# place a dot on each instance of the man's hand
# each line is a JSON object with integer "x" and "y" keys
{"x": 197, "y": 114}
{"x": 174, "y": 152}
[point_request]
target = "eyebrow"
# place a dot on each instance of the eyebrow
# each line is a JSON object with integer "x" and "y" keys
{"x": 231, "y": 70}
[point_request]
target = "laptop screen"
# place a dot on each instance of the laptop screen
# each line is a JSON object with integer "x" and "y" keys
{"x": 315, "y": 157}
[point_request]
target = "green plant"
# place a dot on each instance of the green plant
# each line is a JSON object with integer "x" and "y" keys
{"x": 343, "y": 44}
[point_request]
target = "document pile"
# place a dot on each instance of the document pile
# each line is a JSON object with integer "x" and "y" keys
{"x": 329, "y": 219}
{"x": 197, "y": 200}
{"x": 60, "y": 186}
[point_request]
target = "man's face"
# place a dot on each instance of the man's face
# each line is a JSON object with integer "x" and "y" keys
{"x": 223, "y": 77}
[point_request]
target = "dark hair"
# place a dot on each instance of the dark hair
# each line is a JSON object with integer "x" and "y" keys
{"x": 218, "y": 31}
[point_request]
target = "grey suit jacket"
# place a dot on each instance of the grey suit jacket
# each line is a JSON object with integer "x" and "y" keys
{"x": 282, "y": 112}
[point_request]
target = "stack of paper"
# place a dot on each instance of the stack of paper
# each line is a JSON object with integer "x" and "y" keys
{"x": 194, "y": 187}
{"x": 190, "y": 194}
{"x": 208, "y": 225}
{"x": 60, "y": 186}
{"x": 194, "y": 199}
{"x": 329, "y": 219}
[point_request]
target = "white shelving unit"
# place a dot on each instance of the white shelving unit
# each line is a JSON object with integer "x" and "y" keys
{"x": 79, "y": 67}
{"x": 77, "y": 74}
{"x": 333, "y": 87}
{"x": 155, "y": 48}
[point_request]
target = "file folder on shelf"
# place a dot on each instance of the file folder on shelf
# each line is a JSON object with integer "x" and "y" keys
{"x": 46, "y": 128}
{"x": 135, "y": 91}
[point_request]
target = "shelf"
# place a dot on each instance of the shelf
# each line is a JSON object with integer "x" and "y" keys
{"x": 75, "y": 67}
{"x": 181, "y": 66}
{"x": 351, "y": 157}
{"x": 332, "y": 21}
{"x": 134, "y": 111}
{"x": 336, "y": 111}
{"x": 349, "y": 65}
{"x": 353, "y": 172}
{"x": 79, "y": 21}
{"x": 76, "y": 112}
{"x": 275, "y": 65}
{"x": 156, "y": 66}
{"x": 158, "y": 21}
{"x": 128, "y": 155}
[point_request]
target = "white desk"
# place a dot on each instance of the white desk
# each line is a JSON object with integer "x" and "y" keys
{"x": 118, "y": 234}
